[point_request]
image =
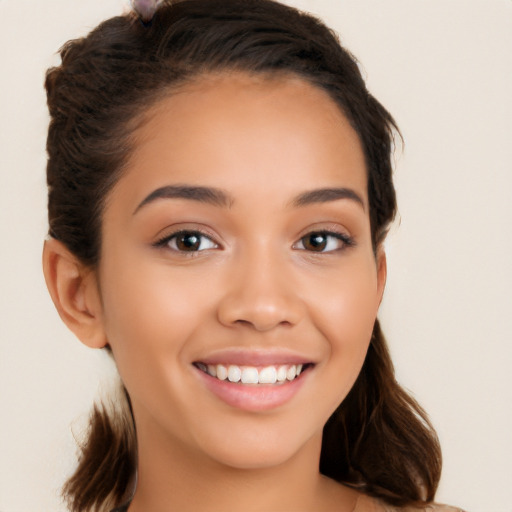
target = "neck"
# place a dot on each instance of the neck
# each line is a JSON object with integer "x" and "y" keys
{"x": 171, "y": 477}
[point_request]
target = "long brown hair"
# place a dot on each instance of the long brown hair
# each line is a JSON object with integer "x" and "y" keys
{"x": 379, "y": 440}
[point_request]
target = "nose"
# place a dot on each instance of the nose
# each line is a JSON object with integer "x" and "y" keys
{"x": 261, "y": 295}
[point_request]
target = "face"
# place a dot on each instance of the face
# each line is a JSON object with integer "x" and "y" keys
{"x": 238, "y": 282}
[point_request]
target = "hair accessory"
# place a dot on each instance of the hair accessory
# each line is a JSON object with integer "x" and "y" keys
{"x": 145, "y": 8}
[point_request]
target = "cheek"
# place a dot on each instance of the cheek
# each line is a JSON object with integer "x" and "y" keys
{"x": 150, "y": 314}
{"x": 345, "y": 313}
{"x": 348, "y": 300}
{"x": 150, "y": 319}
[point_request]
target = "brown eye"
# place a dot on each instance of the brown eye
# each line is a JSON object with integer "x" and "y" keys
{"x": 187, "y": 241}
{"x": 315, "y": 242}
{"x": 323, "y": 241}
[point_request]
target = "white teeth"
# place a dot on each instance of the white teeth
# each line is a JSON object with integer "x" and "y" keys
{"x": 234, "y": 373}
{"x": 251, "y": 374}
{"x": 222, "y": 372}
{"x": 268, "y": 375}
{"x": 281, "y": 373}
{"x": 291, "y": 373}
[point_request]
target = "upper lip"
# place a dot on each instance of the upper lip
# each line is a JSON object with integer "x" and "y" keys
{"x": 259, "y": 357}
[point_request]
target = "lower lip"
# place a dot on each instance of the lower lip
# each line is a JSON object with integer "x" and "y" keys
{"x": 261, "y": 397}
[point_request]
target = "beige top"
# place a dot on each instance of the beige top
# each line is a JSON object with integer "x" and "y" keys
{"x": 368, "y": 504}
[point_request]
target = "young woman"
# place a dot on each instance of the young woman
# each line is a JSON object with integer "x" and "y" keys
{"x": 219, "y": 192}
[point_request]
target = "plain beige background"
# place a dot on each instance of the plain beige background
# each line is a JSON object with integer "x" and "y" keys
{"x": 444, "y": 69}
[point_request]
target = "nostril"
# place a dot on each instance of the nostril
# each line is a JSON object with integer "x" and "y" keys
{"x": 261, "y": 311}
{"x": 242, "y": 322}
{"x": 260, "y": 325}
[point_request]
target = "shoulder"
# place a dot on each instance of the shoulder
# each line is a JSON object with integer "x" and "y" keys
{"x": 368, "y": 504}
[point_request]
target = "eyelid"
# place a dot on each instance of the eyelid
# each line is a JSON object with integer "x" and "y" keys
{"x": 346, "y": 239}
{"x": 163, "y": 241}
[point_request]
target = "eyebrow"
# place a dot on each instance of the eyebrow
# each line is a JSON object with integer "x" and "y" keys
{"x": 217, "y": 197}
{"x": 324, "y": 195}
{"x": 209, "y": 195}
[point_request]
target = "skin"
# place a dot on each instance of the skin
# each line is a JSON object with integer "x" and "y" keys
{"x": 258, "y": 285}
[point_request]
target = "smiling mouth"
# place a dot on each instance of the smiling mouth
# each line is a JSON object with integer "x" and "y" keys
{"x": 252, "y": 375}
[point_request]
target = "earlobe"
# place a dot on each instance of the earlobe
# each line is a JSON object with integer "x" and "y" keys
{"x": 74, "y": 290}
{"x": 382, "y": 272}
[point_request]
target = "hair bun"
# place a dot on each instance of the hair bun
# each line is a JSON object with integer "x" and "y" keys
{"x": 145, "y": 8}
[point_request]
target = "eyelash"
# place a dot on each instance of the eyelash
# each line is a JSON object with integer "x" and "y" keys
{"x": 165, "y": 241}
{"x": 346, "y": 241}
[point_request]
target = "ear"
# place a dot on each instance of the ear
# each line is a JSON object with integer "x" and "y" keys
{"x": 74, "y": 290}
{"x": 382, "y": 271}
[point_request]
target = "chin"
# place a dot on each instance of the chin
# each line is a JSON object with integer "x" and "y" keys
{"x": 262, "y": 450}
{"x": 254, "y": 459}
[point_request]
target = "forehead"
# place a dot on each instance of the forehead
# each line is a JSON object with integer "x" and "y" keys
{"x": 235, "y": 131}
